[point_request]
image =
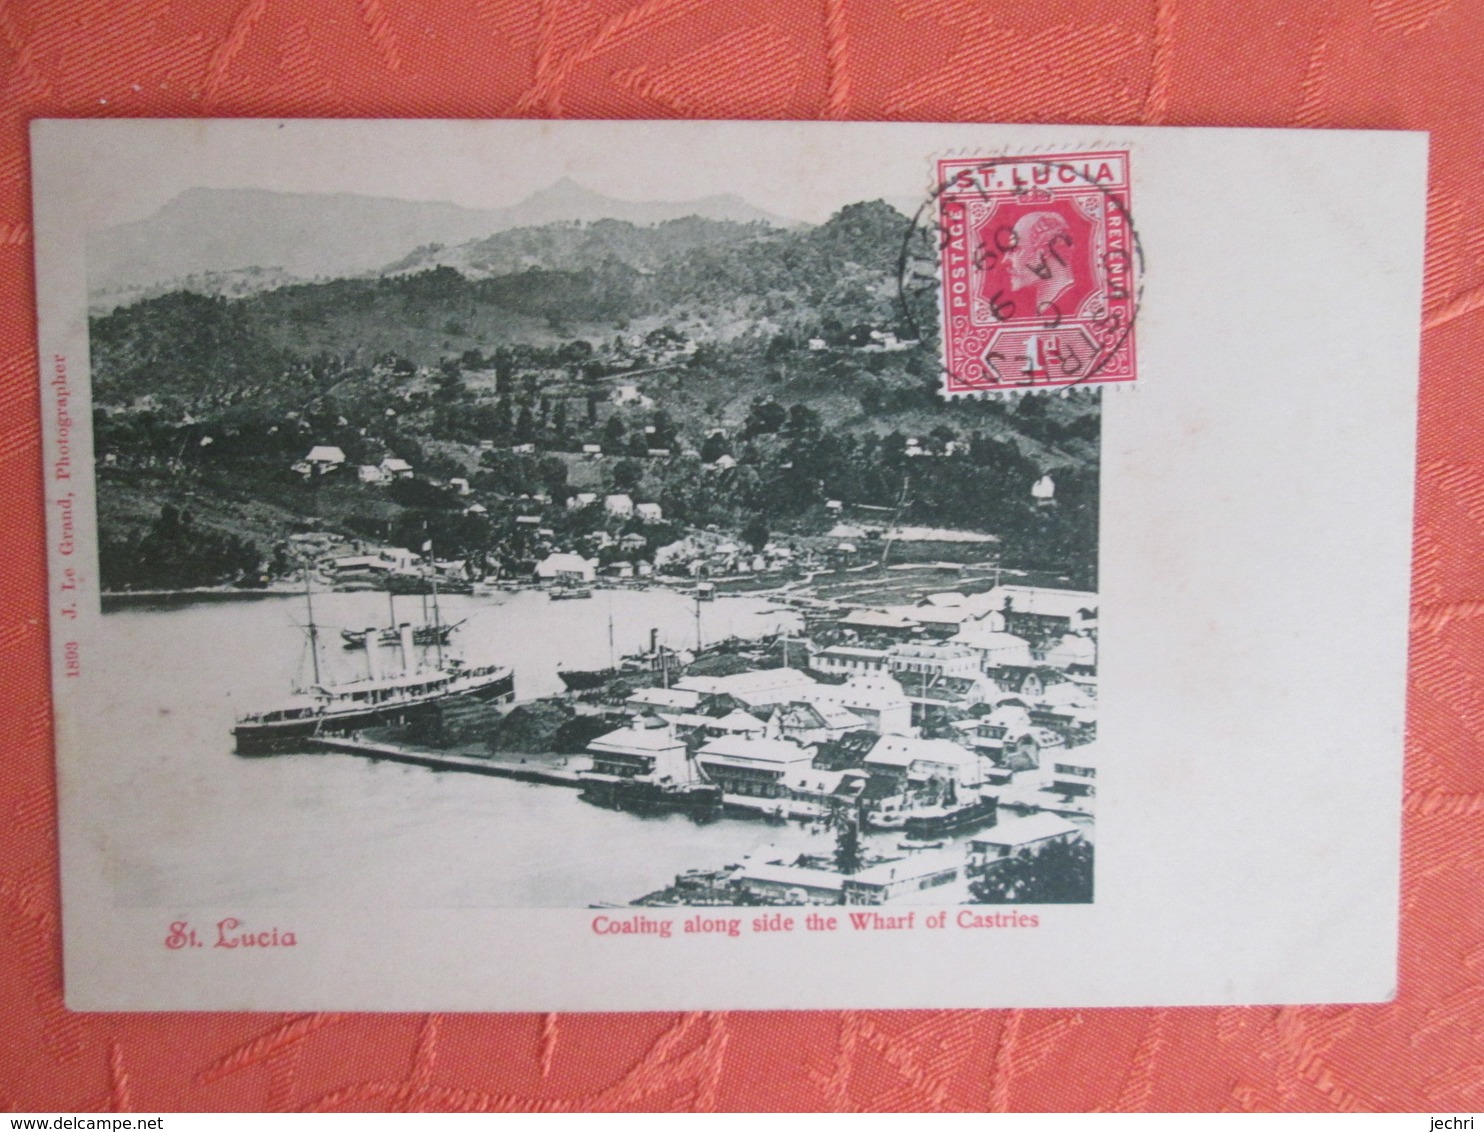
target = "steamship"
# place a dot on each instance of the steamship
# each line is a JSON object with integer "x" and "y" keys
{"x": 379, "y": 698}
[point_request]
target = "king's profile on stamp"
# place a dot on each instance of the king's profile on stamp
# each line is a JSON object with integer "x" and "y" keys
{"x": 1040, "y": 267}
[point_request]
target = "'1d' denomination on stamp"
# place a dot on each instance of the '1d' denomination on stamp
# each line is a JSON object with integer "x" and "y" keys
{"x": 1039, "y": 268}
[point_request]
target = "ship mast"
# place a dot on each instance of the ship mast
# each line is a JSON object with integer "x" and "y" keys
{"x": 437, "y": 620}
{"x": 313, "y": 629}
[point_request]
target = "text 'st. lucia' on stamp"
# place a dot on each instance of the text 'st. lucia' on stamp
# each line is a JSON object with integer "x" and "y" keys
{"x": 1039, "y": 271}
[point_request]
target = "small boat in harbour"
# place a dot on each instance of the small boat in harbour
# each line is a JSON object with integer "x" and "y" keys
{"x": 430, "y": 634}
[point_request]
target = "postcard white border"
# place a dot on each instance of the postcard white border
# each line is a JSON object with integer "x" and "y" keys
{"x": 1257, "y": 501}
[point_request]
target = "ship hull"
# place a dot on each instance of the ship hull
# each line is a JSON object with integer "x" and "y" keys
{"x": 976, "y": 816}
{"x": 578, "y": 681}
{"x": 699, "y": 800}
{"x": 271, "y": 737}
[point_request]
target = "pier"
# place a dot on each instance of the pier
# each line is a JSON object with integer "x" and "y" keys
{"x": 439, "y": 760}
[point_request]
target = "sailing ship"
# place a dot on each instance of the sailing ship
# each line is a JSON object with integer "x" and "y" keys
{"x": 427, "y": 635}
{"x": 423, "y": 636}
{"x": 379, "y": 698}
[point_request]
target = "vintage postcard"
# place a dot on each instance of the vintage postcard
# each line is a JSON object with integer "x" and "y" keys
{"x": 659, "y": 565}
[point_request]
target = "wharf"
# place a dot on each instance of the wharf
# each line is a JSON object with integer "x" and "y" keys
{"x": 440, "y": 760}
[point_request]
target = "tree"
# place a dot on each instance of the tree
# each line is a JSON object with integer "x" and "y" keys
{"x": 803, "y": 424}
{"x": 714, "y": 447}
{"x": 755, "y": 532}
{"x": 574, "y": 352}
{"x": 627, "y": 474}
{"x": 665, "y": 433}
{"x": 848, "y": 856}
{"x": 504, "y": 369}
{"x": 1061, "y": 873}
{"x": 525, "y": 426}
{"x": 176, "y": 553}
{"x": 613, "y": 432}
{"x": 762, "y": 418}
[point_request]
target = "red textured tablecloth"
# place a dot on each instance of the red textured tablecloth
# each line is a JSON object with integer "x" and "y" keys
{"x": 1391, "y": 64}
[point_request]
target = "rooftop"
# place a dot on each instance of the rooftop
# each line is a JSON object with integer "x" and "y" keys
{"x": 753, "y": 684}
{"x": 918, "y": 865}
{"x": 1043, "y": 601}
{"x": 903, "y": 750}
{"x": 776, "y": 872}
{"x": 635, "y": 740}
{"x": 1023, "y": 831}
{"x": 675, "y": 698}
{"x": 745, "y": 748}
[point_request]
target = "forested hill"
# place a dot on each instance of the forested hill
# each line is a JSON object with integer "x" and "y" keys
{"x": 575, "y": 247}
{"x": 740, "y": 375}
{"x": 710, "y": 280}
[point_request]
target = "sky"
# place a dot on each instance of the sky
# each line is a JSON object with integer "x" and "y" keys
{"x": 118, "y": 171}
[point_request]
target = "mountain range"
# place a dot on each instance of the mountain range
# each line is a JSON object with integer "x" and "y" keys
{"x": 243, "y": 240}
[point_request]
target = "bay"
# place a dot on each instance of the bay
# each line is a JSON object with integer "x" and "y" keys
{"x": 206, "y": 827}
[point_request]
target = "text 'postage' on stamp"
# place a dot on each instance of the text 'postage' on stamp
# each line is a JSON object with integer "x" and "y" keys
{"x": 1039, "y": 267}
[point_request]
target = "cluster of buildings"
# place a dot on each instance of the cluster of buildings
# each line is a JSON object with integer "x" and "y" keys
{"x": 943, "y": 873}
{"x": 982, "y": 724}
{"x": 323, "y": 459}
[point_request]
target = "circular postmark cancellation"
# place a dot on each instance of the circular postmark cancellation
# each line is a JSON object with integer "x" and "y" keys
{"x": 1033, "y": 267}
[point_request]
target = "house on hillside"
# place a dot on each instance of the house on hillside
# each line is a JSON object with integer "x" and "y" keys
{"x": 565, "y": 568}
{"x": 322, "y": 458}
{"x": 649, "y": 512}
{"x": 620, "y": 506}
{"x": 627, "y": 393}
{"x": 395, "y": 468}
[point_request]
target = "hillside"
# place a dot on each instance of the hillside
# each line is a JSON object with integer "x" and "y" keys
{"x": 210, "y": 237}
{"x": 676, "y": 349}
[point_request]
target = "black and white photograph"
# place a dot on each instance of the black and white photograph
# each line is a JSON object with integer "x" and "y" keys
{"x": 578, "y": 551}
{"x": 529, "y": 565}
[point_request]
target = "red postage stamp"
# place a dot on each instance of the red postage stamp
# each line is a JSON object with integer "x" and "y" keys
{"x": 1039, "y": 269}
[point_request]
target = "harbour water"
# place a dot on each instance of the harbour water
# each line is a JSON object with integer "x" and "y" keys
{"x": 201, "y": 826}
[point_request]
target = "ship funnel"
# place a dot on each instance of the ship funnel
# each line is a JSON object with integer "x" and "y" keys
{"x": 373, "y": 654}
{"x": 409, "y": 653}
